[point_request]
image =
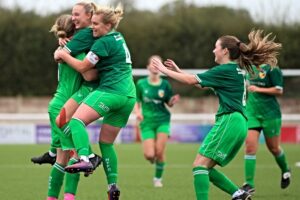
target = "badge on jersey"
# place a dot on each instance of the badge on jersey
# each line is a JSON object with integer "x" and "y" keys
{"x": 161, "y": 93}
{"x": 262, "y": 74}
{"x": 92, "y": 57}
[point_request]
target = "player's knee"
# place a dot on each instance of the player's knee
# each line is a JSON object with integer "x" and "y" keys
{"x": 196, "y": 164}
{"x": 250, "y": 149}
{"x": 159, "y": 154}
{"x": 149, "y": 156}
{"x": 275, "y": 151}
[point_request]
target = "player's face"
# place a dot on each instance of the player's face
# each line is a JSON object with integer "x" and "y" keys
{"x": 99, "y": 28}
{"x": 152, "y": 69}
{"x": 80, "y": 18}
{"x": 219, "y": 52}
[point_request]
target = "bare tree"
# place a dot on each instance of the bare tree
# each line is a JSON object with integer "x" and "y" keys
{"x": 274, "y": 11}
{"x": 127, "y": 4}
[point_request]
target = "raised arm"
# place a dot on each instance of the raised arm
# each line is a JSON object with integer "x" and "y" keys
{"x": 186, "y": 78}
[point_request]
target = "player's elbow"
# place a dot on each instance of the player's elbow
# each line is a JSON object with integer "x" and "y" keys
{"x": 82, "y": 69}
{"x": 280, "y": 93}
{"x": 191, "y": 81}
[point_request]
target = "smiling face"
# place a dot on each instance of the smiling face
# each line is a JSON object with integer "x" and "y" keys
{"x": 80, "y": 18}
{"x": 99, "y": 28}
{"x": 219, "y": 52}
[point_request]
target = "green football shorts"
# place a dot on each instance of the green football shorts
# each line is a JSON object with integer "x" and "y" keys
{"x": 55, "y": 131}
{"x": 83, "y": 92}
{"x": 115, "y": 109}
{"x": 150, "y": 130}
{"x": 225, "y": 139}
{"x": 270, "y": 127}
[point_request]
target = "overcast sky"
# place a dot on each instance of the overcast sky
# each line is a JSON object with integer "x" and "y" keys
{"x": 266, "y": 10}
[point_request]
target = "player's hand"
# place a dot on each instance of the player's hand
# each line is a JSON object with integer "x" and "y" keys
{"x": 253, "y": 88}
{"x": 57, "y": 55}
{"x": 174, "y": 99}
{"x": 171, "y": 65}
{"x": 158, "y": 65}
{"x": 63, "y": 41}
{"x": 139, "y": 117}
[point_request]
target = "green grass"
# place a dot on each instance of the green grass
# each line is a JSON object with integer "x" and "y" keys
{"x": 19, "y": 179}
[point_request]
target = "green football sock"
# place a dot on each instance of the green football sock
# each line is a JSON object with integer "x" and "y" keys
{"x": 66, "y": 128}
{"x": 55, "y": 180}
{"x": 222, "y": 182}
{"x": 72, "y": 180}
{"x": 281, "y": 161}
{"x": 159, "y": 169}
{"x": 110, "y": 162}
{"x": 80, "y": 137}
{"x": 201, "y": 182}
{"x": 250, "y": 164}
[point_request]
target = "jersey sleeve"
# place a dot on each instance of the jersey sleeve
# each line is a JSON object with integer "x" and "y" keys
{"x": 211, "y": 78}
{"x": 81, "y": 42}
{"x": 100, "y": 48}
{"x": 276, "y": 78}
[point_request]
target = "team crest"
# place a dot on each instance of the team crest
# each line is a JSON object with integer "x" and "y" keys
{"x": 262, "y": 74}
{"x": 161, "y": 93}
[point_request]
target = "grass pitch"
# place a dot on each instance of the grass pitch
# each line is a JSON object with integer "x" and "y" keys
{"x": 21, "y": 180}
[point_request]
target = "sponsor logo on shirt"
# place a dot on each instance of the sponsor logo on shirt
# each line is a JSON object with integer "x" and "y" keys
{"x": 148, "y": 100}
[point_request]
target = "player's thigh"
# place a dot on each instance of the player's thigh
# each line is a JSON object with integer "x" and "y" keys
{"x": 251, "y": 142}
{"x": 70, "y": 107}
{"x": 86, "y": 114}
{"x": 161, "y": 142}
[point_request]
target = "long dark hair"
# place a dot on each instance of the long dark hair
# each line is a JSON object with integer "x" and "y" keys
{"x": 261, "y": 49}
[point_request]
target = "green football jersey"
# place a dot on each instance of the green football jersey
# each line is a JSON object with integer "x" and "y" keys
{"x": 114, "y": 65}
{"x": 153, "y": 99}
{"x": 261, "y": 104}
{"x": 82, "y": 42}
{"x": 229, "y": 84}
{"x": 69, "y": 81}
